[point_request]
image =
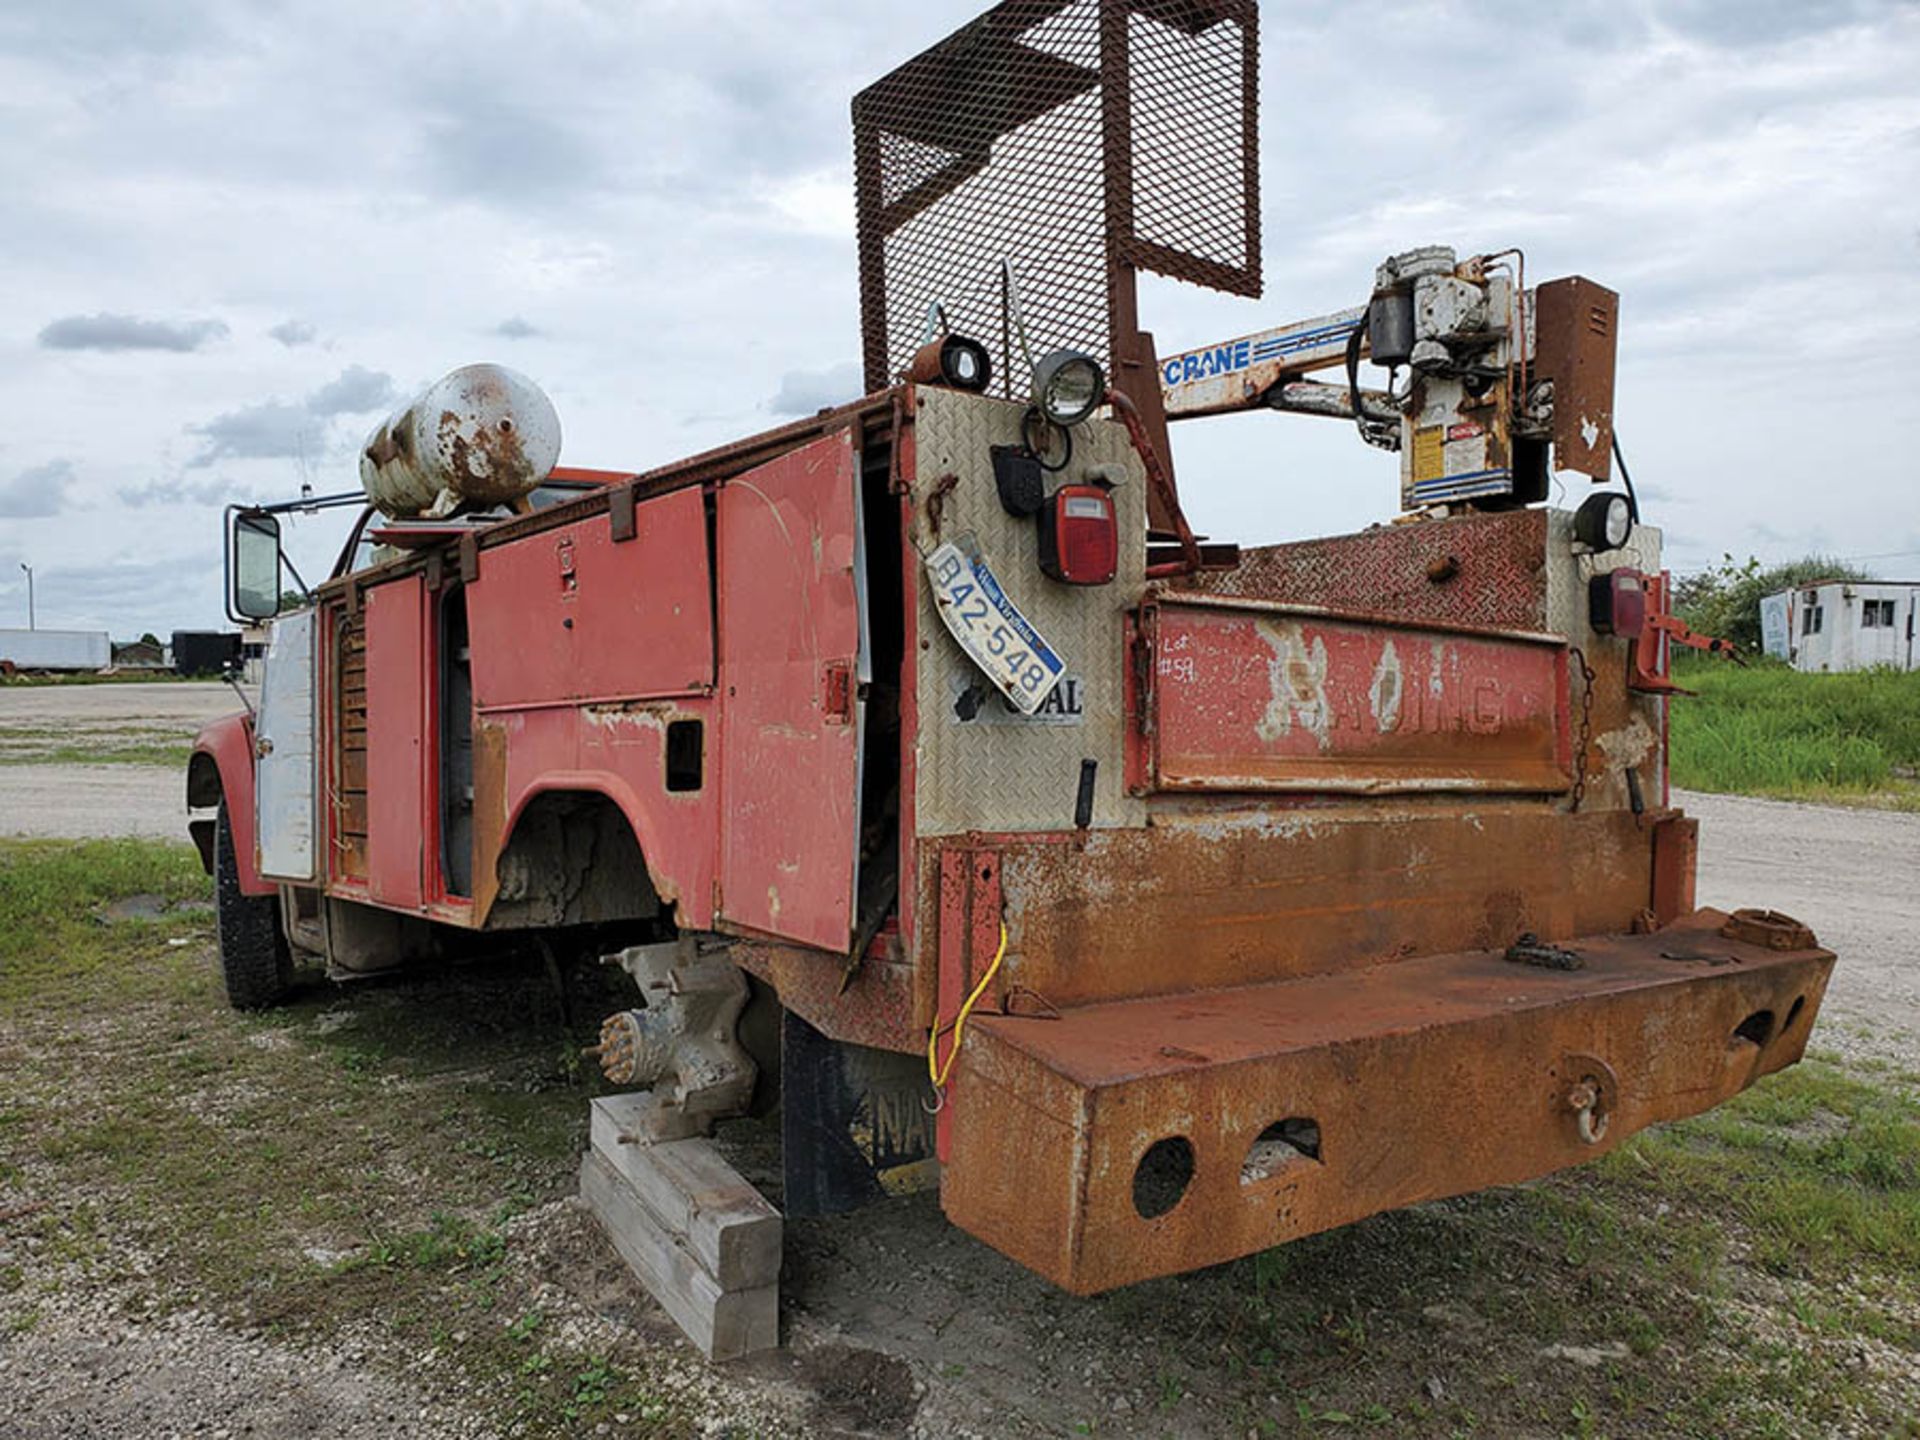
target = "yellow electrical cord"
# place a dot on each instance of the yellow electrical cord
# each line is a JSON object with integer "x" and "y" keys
{"x": 935, "y": 1070}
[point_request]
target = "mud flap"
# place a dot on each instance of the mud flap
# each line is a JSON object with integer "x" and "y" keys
{"x": 852, "y": 1125}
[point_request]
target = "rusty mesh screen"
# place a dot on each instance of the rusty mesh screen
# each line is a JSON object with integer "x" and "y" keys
{"x": 1077, "y": 139}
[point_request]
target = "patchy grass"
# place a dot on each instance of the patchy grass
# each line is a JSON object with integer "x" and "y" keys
{"x": 1717, "y": 1277}
{"x": 378, "y": 1162}
{"x": 168, "y": 756}
{"x": 1769, "y": 730}
{"x": 93, "y": 744}
{"x": 324, "y": 1166}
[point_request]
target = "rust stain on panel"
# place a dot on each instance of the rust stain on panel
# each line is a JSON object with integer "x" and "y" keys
{"x": 1259, "y": 894}
{"x": 489, "y": 812}
{"x": 875, "y": 1009}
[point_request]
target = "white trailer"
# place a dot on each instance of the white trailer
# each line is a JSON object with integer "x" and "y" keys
{"x": 56, "y": 649}
{"x": 1843, "y": 625}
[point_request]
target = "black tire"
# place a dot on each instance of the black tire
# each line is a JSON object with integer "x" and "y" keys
{"x": 255, "y": 960}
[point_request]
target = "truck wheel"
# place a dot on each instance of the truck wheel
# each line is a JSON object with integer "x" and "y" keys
{"x": 255, "y": 960}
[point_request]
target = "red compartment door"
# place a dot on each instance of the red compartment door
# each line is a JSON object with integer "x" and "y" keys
{"x": 789, "y": 658}
{"x": 1255, "y": 697}
{"x": 397, "y": 752}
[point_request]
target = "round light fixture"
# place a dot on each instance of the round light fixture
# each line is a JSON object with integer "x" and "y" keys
{"x": 952, "y": 360}
{"x": 1603, "y": 522}
{"x": 1068, "y": 386}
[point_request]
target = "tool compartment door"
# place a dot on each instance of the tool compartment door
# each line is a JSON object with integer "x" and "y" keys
{"x": 1252, "y": 696}
{"x": 397, "y": 750}
{"x": 790, "y": 628}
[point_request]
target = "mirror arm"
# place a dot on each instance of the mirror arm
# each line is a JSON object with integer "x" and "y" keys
{"x": 345, "y": 562}
{"x": 306, "y": 590}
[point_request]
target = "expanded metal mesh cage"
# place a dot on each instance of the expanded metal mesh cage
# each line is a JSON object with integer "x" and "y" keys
{"x": 1069, "y": 141}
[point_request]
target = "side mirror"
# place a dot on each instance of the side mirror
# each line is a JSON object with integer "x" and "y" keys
{"x": 253, "y": 567}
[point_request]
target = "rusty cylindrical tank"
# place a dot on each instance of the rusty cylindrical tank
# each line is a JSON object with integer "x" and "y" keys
{"x": 484, "y": 435}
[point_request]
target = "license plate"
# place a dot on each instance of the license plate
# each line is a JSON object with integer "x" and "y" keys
{"x": 991, "y": 629}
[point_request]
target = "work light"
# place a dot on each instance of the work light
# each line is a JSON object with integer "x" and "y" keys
{"x": 1067, "y": 386}
{"x": 1603, "y": 522}
{"x": 952, "y": 360}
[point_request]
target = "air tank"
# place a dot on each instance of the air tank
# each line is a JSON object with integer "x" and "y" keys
{"x": 483, "y": 436}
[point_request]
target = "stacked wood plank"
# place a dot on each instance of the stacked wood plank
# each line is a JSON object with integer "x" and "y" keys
{"x": 703, "y": 1241}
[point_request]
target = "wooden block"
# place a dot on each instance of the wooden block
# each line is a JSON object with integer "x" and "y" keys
{"x": 695, "y": 1194}
{"x": 724, "y": 1324}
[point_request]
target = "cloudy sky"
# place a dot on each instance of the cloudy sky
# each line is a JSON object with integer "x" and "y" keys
{"x": 233, "y": 235}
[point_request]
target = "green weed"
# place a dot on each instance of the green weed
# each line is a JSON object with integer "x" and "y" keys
{"x": 1770, "y": 730}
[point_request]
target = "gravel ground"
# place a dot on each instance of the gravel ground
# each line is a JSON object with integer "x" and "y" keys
{"x": 91, "y": 1369}
{"x": 92, "y": 801}
{"x": 184, "y": 705}
{"x": 1847, "y": 873}
{"x": 90, "y": 1372}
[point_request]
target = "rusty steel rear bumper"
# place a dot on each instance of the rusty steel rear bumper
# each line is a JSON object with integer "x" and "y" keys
{"x": 1311, "y": 1103}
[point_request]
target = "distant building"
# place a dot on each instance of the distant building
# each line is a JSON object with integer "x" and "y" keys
{"x": 140, "y": 655}
{"x": 1842, "y": 624}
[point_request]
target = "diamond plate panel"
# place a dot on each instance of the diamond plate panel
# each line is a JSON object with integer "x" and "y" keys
{"x": 1627, "y": 725}
{"x": 1568, "y": 573}
{"x": 1492, "y": 567}
{"x": 990, "y": 772}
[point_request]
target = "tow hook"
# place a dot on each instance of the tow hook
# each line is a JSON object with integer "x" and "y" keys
{"x": 1589, "y": 1111}
{"x": 1590, "y": 1097}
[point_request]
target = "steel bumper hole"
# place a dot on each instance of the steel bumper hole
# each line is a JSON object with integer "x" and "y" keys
{"x": 1793, "y": 1013}
{"x": 1756, "y": 1029}
{"x": 1161, "y": 1178}
{"x": 1283, "y": 1143}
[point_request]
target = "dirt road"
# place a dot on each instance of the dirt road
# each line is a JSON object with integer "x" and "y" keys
{"x": 119, "y": 722}
{"x": 1849, "y": 875}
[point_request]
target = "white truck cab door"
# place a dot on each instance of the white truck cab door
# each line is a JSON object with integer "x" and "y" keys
{"x": 283, "y": 736}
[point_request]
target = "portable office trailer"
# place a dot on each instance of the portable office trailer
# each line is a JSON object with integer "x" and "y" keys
{"x": 1843, "y": 625}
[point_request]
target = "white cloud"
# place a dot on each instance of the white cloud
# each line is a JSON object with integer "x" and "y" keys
{"x": 802, "y": 392}
{"x": 292, "y": 333}
{"x": 354, "y": 391}
{"x": 179, "y": 491}
{"x": 663, "y": 193}
{"x": 271, "y": 430}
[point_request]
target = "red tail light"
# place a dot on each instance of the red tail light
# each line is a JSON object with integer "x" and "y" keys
{"x": 1617, "y": 603}
{"x": 1079, "y": 538}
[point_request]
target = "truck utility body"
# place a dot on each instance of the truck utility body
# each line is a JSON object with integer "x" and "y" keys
{"x": 1159, "y": 901}
{"x": 722, "y": 698}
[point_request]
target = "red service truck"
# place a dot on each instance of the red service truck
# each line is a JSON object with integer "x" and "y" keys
{"x": 1158, "y": 900}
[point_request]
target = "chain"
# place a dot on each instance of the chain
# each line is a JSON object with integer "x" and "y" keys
{"x": 1586, "y": 728}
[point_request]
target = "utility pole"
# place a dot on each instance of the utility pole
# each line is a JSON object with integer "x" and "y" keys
{"x": 29, "y": 569}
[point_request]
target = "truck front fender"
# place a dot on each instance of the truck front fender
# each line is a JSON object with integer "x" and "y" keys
{"x": 221, "y": 767}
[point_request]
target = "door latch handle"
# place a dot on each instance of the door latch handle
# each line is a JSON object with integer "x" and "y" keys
{"x": 836, "y": 692}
